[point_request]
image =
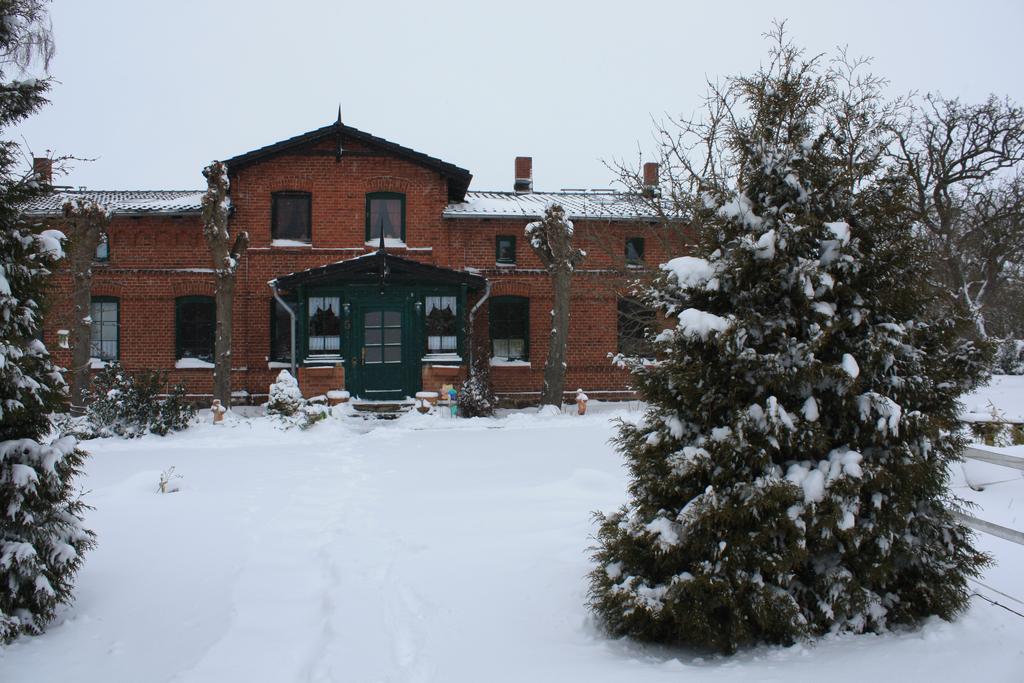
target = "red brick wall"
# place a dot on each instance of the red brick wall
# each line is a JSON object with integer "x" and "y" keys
{"x": 156, "y": 259}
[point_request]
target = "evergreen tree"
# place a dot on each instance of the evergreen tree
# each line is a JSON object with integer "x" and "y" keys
{"x": 789, "y": 476}
{"x": 41, "y": 534}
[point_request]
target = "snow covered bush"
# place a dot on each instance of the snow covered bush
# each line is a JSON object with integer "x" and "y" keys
{"x": 789, "y": 477}
{"x": 476, "y": 395}
{"x": 290, "y": 407}
{"x": 285, "y": 397}
{"x": 42, "y": 538}
{"x": 132, "y": 404}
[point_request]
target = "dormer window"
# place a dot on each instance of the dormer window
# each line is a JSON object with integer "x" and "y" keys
{"x": 505, "y": 250}
{"x": 385, "y": 215}
{"x": 291, "y": 218}
{"x": 635, "y": 251}
{"x": 102, "y": 254}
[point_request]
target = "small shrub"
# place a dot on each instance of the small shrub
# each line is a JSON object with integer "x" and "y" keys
{"x": 132, "y": 404}
{"x": 285, "y": 397}
{"x": 290, "y": 407}
{"x": 1009, "y": 357}
{"x": 476, "y": 395}
{"x": 169, "y": 481}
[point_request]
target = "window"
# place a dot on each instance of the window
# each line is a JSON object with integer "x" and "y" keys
{"x": 442, "y": 324}
{"x": 324, "y": 325}
{"x": 103, "y": 250}
{"x": 103, "y": 344}
{"x": 195, "y": 321}
{"x": 291, "y": 216}
{"x": 385, "y": 214}
{"x": 636, "y": 321}
{"x": 505, "y": 249}
{"x": 510, "y": 325}
{"x": 280, "y": 335}
{"x": 634, "y": 251}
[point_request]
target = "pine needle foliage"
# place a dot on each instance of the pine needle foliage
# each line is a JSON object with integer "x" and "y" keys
{"x": 789, "y": 476}
{"x": 42, "y": 538}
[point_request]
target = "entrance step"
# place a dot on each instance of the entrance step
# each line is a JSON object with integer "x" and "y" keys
{"x": 381, "y": 410}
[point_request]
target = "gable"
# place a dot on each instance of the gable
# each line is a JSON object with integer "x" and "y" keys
{"x": 341, "y": 135}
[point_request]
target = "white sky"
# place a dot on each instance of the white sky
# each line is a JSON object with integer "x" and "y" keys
{"x": 155, "y": 90}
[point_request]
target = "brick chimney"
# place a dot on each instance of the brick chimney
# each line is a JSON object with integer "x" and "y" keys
{"x": 524, "y": 175}
{"x": 650, "y": 179}
{"x": 42, "y": 169}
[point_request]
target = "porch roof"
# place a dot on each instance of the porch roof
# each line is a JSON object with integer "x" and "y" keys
{"x": 377, "y": 266}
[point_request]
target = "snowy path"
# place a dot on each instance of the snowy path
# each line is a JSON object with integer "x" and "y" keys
{"x": 424, "y": 550}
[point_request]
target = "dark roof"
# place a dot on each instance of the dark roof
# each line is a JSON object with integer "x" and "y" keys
{"x": 121, "y": 202}
{"x": 582, "y": 204}
{"x": 458, "y": 178}
{"x": 367, "y": 269}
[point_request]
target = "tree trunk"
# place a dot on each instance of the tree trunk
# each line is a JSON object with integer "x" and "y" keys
{"x": 226, "y": 259}
{"x": 225, "y": 304}
{"x": 554, "y": 368}
{"x": 86, "y": 222}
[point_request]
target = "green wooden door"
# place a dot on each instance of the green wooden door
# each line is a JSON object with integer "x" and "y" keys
{"x": 384, "y": 336}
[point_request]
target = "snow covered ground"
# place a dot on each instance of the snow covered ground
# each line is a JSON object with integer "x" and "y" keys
{"x": 426, "y": 549}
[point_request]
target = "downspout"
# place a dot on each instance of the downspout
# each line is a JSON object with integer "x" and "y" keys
{"x": 291, "y": 314}
{"x": 472, "y": 315}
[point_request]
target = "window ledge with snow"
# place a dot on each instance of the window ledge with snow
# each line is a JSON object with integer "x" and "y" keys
{"x": 442, "y": 358}
{"x": 389, "y": 243}
{"x": 98, "y": 364}
{"x": 505, "y": 363}
{"x": 289, "y": 243}
{"x": 193, "y": 364}
{"x": 278, "y": 365}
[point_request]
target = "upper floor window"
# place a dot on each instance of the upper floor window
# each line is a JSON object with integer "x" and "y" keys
{"x": 103, "y": 250}
{"x": 385, "y": 215}
{"x": 442, "y": 324}
{"x": 291, "y": 216}
{"x": 510, "y": 327}
{"x": 634, "y": 251}
{"x": 104, "y": 338}
{"x": 195, "y": 321}
{"x": 505, "y": 250}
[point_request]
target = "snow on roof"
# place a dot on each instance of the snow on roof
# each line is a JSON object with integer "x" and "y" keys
{"x": 579, "y": 204}
{"x": 124, "y": 202}
{"x": 595, "y": 204}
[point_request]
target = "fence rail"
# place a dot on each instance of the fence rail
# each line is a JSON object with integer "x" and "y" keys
{"x": 993, "y": 458}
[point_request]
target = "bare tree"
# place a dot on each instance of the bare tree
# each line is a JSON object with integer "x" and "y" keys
{"x": 87, "y": 223}
{"x": 226, "y": 254}
{"x": 552, "y": 239}
{"x": 965, "y": 164}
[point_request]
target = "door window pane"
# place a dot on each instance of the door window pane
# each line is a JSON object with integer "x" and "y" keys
{"x": 280, "y": 335}
{"x": 324, "y": 325}
{"x": 441, "y": 324}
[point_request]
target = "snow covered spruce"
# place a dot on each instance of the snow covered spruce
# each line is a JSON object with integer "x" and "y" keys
{"x": 789, "y": 477}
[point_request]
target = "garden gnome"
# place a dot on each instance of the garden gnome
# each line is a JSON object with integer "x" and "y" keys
{"x": 218, "y": 411}
{"x": 581, "y": 402}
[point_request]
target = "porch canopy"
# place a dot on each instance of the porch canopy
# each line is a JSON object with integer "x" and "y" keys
{"x": 383, "y": 268}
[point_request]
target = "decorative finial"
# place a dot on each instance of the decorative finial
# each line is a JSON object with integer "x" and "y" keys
{"x": 339, "y": 114}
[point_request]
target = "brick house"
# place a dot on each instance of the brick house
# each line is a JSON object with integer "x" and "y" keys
{"x": 383, "y": 258}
